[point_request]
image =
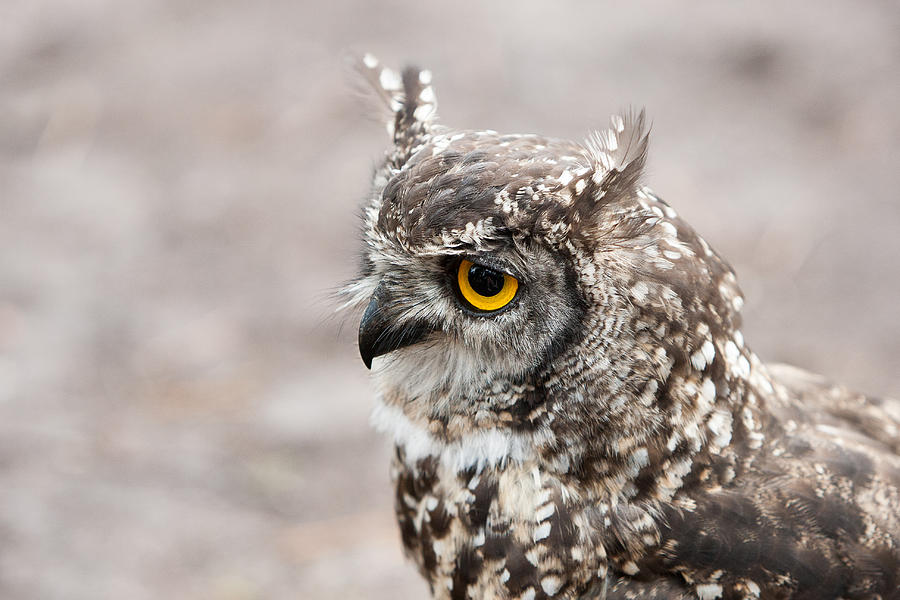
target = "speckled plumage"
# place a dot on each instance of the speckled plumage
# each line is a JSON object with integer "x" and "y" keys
{"x": 610, "y": 435}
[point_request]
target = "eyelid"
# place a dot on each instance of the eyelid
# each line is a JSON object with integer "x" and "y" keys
{"x": 491, "y": 262}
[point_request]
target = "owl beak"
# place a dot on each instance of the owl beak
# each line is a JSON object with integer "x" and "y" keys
{"x": 378, "y": 334}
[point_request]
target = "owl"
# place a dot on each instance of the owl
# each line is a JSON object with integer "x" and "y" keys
{"x": 559, "y": 361}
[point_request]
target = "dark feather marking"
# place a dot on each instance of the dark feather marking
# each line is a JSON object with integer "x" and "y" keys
{"x": 522, "y": 573}
{"x": 439, "y": 520}
{"x": 426, "y": 548}
{"x": 485, "y": 493}
{"x": 468, "y": 567}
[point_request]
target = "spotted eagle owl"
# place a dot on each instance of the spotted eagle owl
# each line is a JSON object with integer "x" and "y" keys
{"x": 559, "y": 360}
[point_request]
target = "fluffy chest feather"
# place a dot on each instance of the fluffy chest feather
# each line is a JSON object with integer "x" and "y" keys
{"x": 501, "y": 531}
{"x": 482, "y": 517}
{"x": 485, "y": 516}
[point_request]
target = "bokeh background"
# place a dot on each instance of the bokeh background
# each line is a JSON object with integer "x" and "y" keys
{"x": 181, "y": 413}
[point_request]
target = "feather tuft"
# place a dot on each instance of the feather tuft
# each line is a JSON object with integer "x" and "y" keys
{"x": 409, "y": 100}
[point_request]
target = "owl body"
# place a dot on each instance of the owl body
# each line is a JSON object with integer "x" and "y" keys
{"x": 605, "y": 432}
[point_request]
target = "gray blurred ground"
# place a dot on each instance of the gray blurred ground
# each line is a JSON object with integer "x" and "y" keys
{"x": 181, "y": 416}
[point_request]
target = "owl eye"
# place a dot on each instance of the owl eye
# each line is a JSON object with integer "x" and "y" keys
{"x": 483, "y": 288}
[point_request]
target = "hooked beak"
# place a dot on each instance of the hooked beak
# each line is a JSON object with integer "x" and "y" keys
{"x": 378, "y": 334}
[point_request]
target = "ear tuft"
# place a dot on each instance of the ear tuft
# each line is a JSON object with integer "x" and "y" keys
{"x": 409, "y": 100}
{"x": 618, "y": 154}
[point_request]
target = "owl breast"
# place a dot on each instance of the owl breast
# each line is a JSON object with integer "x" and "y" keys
{"x": 470, "y": 531}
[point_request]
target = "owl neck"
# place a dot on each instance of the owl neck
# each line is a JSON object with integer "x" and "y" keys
{"x": 676, "y": 407}
{"x": 637, "y": 424}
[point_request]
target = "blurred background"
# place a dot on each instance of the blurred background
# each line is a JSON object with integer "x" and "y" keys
{"x": 181, "y": 413}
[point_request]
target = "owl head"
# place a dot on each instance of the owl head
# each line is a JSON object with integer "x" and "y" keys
{"x": 495, "y": 265}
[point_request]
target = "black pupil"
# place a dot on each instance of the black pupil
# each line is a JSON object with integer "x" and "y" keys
{"x": 486, "y": 282}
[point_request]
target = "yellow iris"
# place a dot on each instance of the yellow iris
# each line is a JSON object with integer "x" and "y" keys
{"x": 493, "y": 294}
